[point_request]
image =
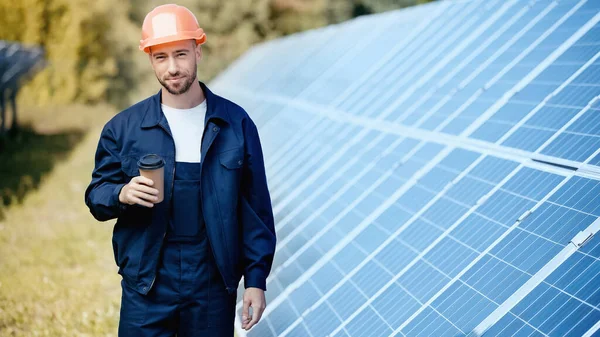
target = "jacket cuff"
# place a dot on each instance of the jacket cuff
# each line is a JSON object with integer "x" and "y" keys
{"x": 122, "y": 206}
{"x": 255, "y": 278}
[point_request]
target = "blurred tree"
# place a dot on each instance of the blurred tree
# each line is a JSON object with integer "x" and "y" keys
{"x": 378, "y": 6}
{"x": 80, "y": 44}
{"x": 92, "y": 45}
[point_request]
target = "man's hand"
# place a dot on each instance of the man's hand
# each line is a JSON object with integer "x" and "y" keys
{"x": 138, "y": 191}
{"x": 255, "y": 298}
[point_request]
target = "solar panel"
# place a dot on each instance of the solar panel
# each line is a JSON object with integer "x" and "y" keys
{"x": 18, "y": 61}
{"x": 434, "y": 171}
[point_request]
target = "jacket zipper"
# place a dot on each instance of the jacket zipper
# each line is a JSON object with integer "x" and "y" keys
{"x": 202, "y": 206}
{"x": 168, "y": 206}
{"x": 151, "y": 283}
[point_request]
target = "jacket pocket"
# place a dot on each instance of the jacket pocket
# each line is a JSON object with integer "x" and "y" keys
{"x": 128, "y": 246}
{"x": 232, "y": 159}
{"x": 228, "y": 176}
{"x": 129, "y": 167}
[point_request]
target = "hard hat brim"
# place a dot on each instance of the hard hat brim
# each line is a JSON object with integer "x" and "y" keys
{"x": 200, "y": 38}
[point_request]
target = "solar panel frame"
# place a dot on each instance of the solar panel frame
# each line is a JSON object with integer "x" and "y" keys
{"x": 329, "y": 204}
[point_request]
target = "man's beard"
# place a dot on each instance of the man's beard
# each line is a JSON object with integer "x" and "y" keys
{"x": 185, "y": 85}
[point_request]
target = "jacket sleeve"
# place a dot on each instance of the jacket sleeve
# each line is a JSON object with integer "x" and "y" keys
{"x": 102, "y": 194}
{"x": 256, "y": 214}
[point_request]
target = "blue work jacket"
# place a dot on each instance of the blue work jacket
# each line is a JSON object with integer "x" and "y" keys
{"x": 235, "y": 198}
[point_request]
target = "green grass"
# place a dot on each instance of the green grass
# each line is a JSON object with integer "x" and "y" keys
{"x": 58, "y": 274}
{"x": 22, "y": 170}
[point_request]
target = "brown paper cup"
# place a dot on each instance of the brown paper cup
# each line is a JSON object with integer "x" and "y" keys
{"x": 158, "y": 177}
{"x": 152, "y": 166}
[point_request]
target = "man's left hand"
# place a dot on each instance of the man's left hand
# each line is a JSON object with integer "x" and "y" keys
{"x": 255, "y": 298}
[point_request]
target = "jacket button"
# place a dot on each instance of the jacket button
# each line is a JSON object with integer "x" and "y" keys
{"x": 239, "y": 162}
{"x": 144, "y": 288}
{"x": 215, "y": 129}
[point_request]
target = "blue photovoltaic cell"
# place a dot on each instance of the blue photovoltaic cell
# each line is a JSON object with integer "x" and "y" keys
{"x": 18, "y": 63}
{"x": 565, "y": 304}
{"x": 405, "y": 197}
{"x": 480, "y": 284}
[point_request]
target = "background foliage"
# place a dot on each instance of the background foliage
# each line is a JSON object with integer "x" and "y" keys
{"x": 92, "y": 45}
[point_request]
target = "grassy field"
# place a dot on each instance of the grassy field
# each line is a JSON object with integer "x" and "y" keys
{"x": 58, "y": 275}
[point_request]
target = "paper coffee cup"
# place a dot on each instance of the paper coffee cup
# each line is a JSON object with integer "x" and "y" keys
{"x": 152, "y": 166}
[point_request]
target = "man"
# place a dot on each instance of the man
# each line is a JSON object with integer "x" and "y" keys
{"x": 181, "y": 259}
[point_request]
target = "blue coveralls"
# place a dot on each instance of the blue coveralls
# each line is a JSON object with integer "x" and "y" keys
{"x": 188, "y": 297}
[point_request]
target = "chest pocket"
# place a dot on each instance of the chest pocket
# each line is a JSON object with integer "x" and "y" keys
{"x": 232, "y": 159}
{"x": 129, "y": 167}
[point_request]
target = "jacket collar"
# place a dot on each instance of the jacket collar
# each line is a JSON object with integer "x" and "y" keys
{"x": 154, "y": 114}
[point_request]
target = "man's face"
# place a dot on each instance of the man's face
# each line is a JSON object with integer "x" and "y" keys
{"x": 175, "y": 64}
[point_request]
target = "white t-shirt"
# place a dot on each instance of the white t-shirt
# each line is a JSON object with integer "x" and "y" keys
{"x": 187, "y": 127}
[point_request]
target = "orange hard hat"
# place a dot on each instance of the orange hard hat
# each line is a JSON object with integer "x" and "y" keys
{"x": 168, "y": 23}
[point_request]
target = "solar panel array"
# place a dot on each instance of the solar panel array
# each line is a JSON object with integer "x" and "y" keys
{"x": 434, "y": 171}
{"x": 17, "y": 61}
